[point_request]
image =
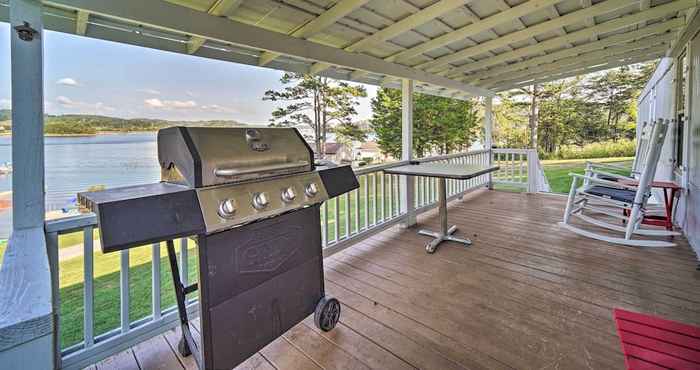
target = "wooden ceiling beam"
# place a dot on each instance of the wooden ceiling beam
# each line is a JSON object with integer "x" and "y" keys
{"x": 662, "y": 42}
{"x": 318, "y": 24}
{"x": 609, "y": 26}
{"x": 161, "y": 16}
{"x": 655, "y": 29}
{"x": 218, "y": 8}
{"x": 442, "y": 63}
{"x": 406, "y": 24}
{"x": 586, "y": 68}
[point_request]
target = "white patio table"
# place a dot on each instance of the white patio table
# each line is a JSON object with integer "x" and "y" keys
{"x": 442, "y": 171}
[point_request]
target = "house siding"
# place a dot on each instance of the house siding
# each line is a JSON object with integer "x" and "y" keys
{"x": 658, "y": 101}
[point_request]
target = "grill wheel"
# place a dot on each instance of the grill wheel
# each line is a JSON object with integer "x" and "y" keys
{"x": 327, "y": 313}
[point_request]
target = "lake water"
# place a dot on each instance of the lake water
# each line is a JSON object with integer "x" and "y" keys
{"x": 73, "y": 164}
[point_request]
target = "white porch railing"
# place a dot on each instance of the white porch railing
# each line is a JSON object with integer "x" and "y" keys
{"x": 345, "y": 220}
{"x": 520, "y": 168}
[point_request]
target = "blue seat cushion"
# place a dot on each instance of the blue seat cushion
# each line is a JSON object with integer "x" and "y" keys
{"x": 622, "y": 195}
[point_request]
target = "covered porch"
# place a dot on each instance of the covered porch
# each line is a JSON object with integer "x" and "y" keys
{"x": 525, "y": 295}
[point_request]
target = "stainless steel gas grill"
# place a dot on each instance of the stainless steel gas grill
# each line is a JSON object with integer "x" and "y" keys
{"x": 251, "y": 198}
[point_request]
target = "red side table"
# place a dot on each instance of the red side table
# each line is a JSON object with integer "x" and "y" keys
{"x": 670, "y": 189}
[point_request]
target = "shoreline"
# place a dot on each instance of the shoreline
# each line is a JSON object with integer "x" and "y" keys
{"x": 99, "y": 133}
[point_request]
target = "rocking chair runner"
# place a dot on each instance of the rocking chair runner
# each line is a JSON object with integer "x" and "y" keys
{"x": 601, "y": 194}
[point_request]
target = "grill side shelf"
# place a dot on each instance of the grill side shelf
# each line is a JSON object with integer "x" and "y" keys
{"x": 133, "y": 216}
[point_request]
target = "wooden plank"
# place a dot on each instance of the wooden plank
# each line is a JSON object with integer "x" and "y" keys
{"x": 172, "y": 337}
{"x": 156, "y": 354}
{"x": 121, "y": 361}
{"x": 449, "y": 316}
{"x": 661, "y": 347}
{"x": 360, "y": 347}
{"x": 658, "y": 358}
{"x": 283, "y": 355}
{"x": 323, "y": 351}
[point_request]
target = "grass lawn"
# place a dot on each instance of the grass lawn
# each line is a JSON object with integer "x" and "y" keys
{"x": 557, "y": 171}
{"x": 106, "y": 289}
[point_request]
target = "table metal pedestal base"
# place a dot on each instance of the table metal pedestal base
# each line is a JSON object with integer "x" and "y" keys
{"x": 445, "y": 233}
{"x": 431, "y": 247}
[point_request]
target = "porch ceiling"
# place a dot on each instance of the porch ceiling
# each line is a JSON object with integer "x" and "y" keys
{"x": 454, "y": 48}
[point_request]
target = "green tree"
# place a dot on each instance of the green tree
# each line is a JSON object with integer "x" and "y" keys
{"x": 316, "y": 101}
{"x": 440, "y": 125}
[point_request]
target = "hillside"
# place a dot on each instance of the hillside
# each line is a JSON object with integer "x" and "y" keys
{"x": 90, "y": 124}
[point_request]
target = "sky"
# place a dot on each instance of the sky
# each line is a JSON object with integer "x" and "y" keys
{"x": 90, "y": 76}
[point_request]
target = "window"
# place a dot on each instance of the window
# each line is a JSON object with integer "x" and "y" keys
{"x": 678, "y": 134}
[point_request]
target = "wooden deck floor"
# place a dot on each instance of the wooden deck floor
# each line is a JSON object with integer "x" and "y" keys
{"x": 525, "y": 295}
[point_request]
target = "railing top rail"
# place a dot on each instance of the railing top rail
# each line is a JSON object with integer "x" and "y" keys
{"x": 513, "y": 151}
{"x": 71, "y": 224}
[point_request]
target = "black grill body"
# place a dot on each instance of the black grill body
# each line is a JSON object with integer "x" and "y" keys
{"x": 260, "y": 267}
{"x": 260, "y": 281}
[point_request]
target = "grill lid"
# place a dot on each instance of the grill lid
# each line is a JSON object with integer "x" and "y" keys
{"x": 205, "y": 156}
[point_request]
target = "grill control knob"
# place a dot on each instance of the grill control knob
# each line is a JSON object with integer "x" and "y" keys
{"x": 260, "y": 200}
{"x": 288, "y": 194}
{"x": 311, "y": 190}
{"x": 227, "y": 208}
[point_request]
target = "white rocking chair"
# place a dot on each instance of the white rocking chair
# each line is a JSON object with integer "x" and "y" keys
{"x": 603, "y": 193}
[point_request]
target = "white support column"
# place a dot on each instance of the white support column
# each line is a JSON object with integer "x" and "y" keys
{"x": 488, "y": 133}
{"x": 407, "y": 182}
{"x": 27, "y": 320}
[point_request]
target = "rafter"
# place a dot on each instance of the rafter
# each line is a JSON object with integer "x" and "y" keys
{"x": 622, "y": 58}
{"x": 179, "y": 21}
{"x": 583, "y": 71}
{"x": 590, "y": 21}
{"x": 585, "y": 48}
{"x": 472, "y": 29}
{"x": 657, "y": 42}
{"x": 476, "y": 27}
{"x": 412, "y": 21}
{"x": 318, "y": 24}
{"x": 443, "y": 63}
{"x": 81, "y": 22}
{"x": 585, "y": 33}
{"x": 218, "y": 8}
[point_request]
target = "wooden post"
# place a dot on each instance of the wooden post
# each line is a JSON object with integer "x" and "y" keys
{"x": 488, "y": 134}
{"x": 407, "y": 182}
{"x": 532, "y": 170}
{"x": 27, "y": 339}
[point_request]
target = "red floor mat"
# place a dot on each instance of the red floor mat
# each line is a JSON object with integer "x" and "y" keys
{"x": 650, "y": 342}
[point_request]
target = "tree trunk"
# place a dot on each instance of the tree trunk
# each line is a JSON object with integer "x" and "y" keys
{"x": 533, "y": 118}
{"x": 317, "y": 126}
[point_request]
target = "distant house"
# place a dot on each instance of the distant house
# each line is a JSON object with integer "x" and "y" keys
{"x": 370, "y": 149}
{"x": 339, "y": 153}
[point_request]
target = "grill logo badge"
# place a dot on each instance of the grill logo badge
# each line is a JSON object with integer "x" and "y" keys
{"x": 253, "y": 136}
{"x": 268, "y": 252}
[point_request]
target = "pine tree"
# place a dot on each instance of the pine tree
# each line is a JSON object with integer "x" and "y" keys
{"x": 316, "y": 101}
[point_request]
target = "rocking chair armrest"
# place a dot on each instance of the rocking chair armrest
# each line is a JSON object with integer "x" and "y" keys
{"x": 603, "y": 182}
{"x": 613, "y": 175}
{"x": 607, "y": 165}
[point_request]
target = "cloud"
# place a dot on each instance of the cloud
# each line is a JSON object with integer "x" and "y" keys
{"x": 84, "y": 107}
{"x": 5, "y": 103}
{"x": 149, "y": 91}
{"x": 65, "y": 102}
{"x": 67, "y": 81}
{"x": 218, "y": 109}
{"x": 170, "y": 104}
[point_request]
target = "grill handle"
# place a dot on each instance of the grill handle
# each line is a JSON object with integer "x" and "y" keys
{"x": 230, "y": 172}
